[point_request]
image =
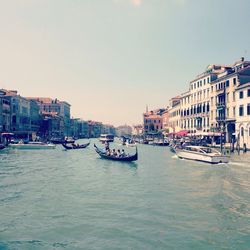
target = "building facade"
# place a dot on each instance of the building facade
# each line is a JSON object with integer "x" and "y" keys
{"x": 4, "y": 112}
{"x": 174, "y": 119}
{"x": 152, "y": 121}
{"x": 243, "y": 115}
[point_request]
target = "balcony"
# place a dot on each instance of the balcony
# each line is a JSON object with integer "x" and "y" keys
{"x": 220, "y": 105}
{"x": 220, "y": 118}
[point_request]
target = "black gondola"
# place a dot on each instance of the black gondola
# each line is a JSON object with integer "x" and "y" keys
{"x": 116, "y": 158}
{"x": 2, "y": 146}
{"x": 69, "y": 147}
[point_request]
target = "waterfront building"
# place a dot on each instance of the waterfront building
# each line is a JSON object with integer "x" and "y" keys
{"x": 57, "y": 110}
{"x": 174, "y": 119}
{"x": 195, "y": 103}
{"x": 20, "y": 123}
{"x": 137, "y": 130}
{"x": 243, "y": 115}
{"x": 223, "y": 96}
{"x": 4, "y": 112}
{"x": 35, "y": 119}
{"x": 52, "y": 125}
{"x": 124, "y": 130}
{"x": 152, "y": 121}
{"x": 95, "y": 129}
{"x": 74, "y": 127}
{"x": 108, "y": 129}
{"x": 84, "y": 131}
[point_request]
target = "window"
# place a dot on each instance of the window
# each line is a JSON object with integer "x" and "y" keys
{"x": 241, "y": 110}
{"x": 227, "y": 97}
{"x": 234, "y": 81}
{"x": 234, "y": 96}
{"x": 249, "y": 131}
{"x": 248, "y": 109}
{"x": 248, "y": 92}
{"x": 242, "y": 131}
{"x": 241, "y": 95}
{"x": 233, "y": 111}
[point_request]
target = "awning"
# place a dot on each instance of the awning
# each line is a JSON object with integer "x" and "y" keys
{"x": 182, "y": 133}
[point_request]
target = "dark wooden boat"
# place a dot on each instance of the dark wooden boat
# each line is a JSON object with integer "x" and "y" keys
{"x": 69, "y": 147}
{"x": 116, "y": 158}
{"x": 2, "y": 146}
{"x": 61, "y": 141}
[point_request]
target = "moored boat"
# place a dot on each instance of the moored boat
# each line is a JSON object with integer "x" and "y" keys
{"x": 2, "y": 146}
{"x": 106, "y": 138}
{"x": 74, "y": 146}
{"x": 62, "y": 140}
{"x": 32, "y": 145}
{"x": 204, "y": 154}
{"x": 126, "y": 158}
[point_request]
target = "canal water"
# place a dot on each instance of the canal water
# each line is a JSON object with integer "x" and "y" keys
{"x": 57, "y": 199}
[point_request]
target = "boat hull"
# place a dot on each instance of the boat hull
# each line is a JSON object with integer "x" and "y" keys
{"x": 32, "y": 146}
{"x": 76, "y": 147}
{"x": 215, "y": 159}
{"x": 114, "y": 158}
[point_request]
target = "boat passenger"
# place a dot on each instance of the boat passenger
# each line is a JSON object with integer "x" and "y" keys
{"x": 118, "y": 153}
{"x": 114, "y": 153}
{"x": 107, "y": 146}
{"x": 108, "y": 152}
{"x": 122, "y": 153}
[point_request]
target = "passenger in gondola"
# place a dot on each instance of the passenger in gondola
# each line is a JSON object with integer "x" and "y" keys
{"x": 108, "y": 152}
{"x": 122, "y": 153}
{"x": 118, "y": 153}
{"x": 107, "y": 146}
{"x": 114, "y": 153}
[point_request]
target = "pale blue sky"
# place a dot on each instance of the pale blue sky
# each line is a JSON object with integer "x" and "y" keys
{"x": 109, "y": 58}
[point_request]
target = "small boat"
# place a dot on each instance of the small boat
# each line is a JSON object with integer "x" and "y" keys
{"x": 74, "y": 146}
{"x": 106, "y": 138}
{"x": 2, "y": 146}
{"x": 130, "y": 144}
{"x": 61, "y": 140}
{"x": 32, "y": 145}
{"x": 126, "y": 158}
{"x": 199, "y": 153}
{"x": 161, "y": 143}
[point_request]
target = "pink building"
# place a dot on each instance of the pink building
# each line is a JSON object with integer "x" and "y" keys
{"x": 153, "y": 121}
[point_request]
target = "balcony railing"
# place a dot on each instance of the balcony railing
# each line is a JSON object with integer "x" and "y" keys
{"x": 220, "y": 104}
{"x": 220, "y": 118}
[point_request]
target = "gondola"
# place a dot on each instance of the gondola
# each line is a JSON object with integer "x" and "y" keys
{"x": 116, "y": 158}
{"x": 2, "y": 146}
{"x": 69, "y": 147}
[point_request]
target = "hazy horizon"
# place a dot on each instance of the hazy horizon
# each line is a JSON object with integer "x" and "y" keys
{"x": 111, "y": 58}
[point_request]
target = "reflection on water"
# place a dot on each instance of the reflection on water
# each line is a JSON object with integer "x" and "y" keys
{"x": 57, "y": 199}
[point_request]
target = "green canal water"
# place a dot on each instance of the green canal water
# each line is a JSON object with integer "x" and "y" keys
{"x": 57, "y": 199}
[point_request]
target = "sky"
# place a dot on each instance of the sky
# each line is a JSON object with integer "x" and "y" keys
{"x": 111, "y": 58}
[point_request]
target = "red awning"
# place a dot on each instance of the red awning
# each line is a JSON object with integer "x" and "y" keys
{"x": 182, "y": 133}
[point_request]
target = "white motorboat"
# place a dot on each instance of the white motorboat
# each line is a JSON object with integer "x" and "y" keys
{"x": 106, "y": 138}
{"x": 199, "y": 153}
{"x": 32, "y": 145}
